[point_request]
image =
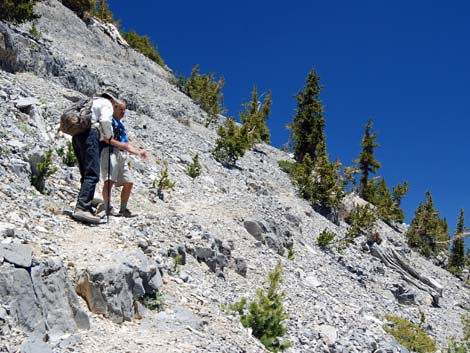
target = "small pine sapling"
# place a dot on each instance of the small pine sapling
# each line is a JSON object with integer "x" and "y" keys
{"x": 43, "y": 170}
{"x": 195, "y": 168}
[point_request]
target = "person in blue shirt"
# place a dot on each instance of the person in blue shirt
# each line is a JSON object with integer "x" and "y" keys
{"x": 119, "y": 174}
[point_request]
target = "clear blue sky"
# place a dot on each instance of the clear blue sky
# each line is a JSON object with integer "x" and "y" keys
{"x": 403, "y": 64}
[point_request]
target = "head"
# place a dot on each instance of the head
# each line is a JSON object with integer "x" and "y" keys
{"x": 119, "y": 108}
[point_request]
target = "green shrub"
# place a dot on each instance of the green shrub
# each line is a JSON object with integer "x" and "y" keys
{"x": 231, "y": 144}
{"x": 17, "y": 10}
{"x": 387, "y": 204}
{"x": 361, "y": 222}
{"x": 409, "y": 334}
{"x": 68, "y": 157}
{"x": 34, "y": 31}
{"x": 291, "y": 253}
{"x": 287, "y": 166}
{"x": 195, "y": 168}
{"x": 154, "y": 301}
{"x": 177, "y": 263}
{"x": 325, "y": 238}
{"x": 144, "y": 45}
{"x": 163, "y": 183}
{"x": 43, "y": 170}
{"x": 265, "y": 315}
{"x": 206, "y": 92}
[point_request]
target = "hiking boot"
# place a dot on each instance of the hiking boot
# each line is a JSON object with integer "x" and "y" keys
{"x": 85, "y": 217}
{"x": 126, "y": 213}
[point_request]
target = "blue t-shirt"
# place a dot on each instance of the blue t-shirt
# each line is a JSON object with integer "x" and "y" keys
{"x": 119, "y": 131}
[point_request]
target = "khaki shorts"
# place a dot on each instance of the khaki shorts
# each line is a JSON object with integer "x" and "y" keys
{"x": 120, "y": 172}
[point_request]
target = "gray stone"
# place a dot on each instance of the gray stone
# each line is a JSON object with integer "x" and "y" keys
{"x": 16, "y": 291}
{"x": 328, "y": 334}
{"x": 312, "y": 281}
{"x": 24, "y": 103}
{"x": 112, "y": 290}
{"x": 256, "y": 229}
{"x": 241, "y": 267}
{"x": 21, "y": 168}
{"x": 7, "y": 230}
{"x": 35, "y": 345}
{"x": 58, "y": 299}
{"x": 17, "y": 254}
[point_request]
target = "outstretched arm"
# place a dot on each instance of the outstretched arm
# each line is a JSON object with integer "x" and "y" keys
{"x": 129, "y": 148}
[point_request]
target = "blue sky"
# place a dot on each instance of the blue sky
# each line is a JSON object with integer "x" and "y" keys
{"x": 405, "y": 65}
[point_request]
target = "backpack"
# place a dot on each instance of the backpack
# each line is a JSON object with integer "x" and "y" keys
{"x": 77, "y": 118}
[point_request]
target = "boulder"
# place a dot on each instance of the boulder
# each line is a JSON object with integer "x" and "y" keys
{"x": 57, "y": 299}
{"x": 17, "y": 254}
{"x": 113, "y": 290}
{"x": 17, "y": 292}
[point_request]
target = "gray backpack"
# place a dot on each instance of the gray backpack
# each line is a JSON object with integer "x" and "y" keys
{"x": 77, "y": 118}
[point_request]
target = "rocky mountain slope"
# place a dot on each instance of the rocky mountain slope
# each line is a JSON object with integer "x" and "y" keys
{"x": 229, "y": 226}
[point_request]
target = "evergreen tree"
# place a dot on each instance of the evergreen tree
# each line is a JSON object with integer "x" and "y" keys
{"x": 457, "y": 251}
{"x": 17, "y": 10}
{"x": 309, "y": 123}
{"x": 366, "y": 161}
{"x": 254, "y": 117}
{"x": 231, "y": 144}
{"x": 265, "y": 316}
{"x": 326, "y": 188}
{"x": 428, "y": 233}
{"x": 388, "y": 205}
{"x": 206, "y": 92}
{"x": 103, "y": 12}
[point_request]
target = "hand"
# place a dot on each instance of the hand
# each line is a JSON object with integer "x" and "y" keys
{"x": 143, "y": 154}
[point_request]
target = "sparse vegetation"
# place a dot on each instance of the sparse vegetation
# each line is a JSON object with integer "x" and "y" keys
{"x": 143, "y": 45}
{"x": 177, "y": 263}
{"x": 428, "y": 234}
{"x": 457, "y": 250}
{"x": 163, "y": 183}
{"x": 17, "y": 10}
{"x": 155, "y": 301}
{"x": 265, "y": 315}
{"x": 409, "y": 334}
{"x": 254, "y": 118}
{"x": 34, "y": 31}
{"x": 195, "y": 168}
{"x": 291, "y": 253}
{"x": 42, "y": 170}
{"x": 205, "y": 91}
{"x": 361, "y": 222}
{"x": 325, "y": 238}
{"x": 68, "y": 157}
{"x": 231, "y": 144}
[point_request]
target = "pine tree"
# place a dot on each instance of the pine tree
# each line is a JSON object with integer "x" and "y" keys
{"x": 388, "y": 205}
{"x": 254, "y": 118}
{"x": 265, "y": 316}
{"x": 206, "y": 92}
{"x": 366, "y": 160}
{"x": 103, "y": 12}
{"x": 231, "y": 144}
{"x": 326, "y": 188}
{"x": 457, "y": 251}
{"x": 309, "y": 123}
{"x": 428, "y": 233}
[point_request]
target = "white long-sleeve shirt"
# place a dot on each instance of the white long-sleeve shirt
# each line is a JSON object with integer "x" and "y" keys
{"x": 102, "y": 117}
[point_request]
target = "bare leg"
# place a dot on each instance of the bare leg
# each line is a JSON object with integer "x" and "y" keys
{"x": 105, "y": 191}
{"x": 125, "y": 194}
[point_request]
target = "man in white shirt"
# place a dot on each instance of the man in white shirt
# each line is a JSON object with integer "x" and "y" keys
{"x": 86, "y": 148}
